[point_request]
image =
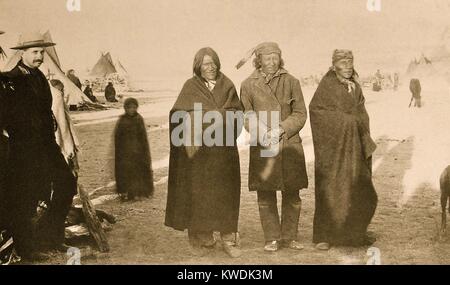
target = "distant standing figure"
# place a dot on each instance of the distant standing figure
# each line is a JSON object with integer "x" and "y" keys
{"x": 133, "y": 169}
{"x": 110, "y": 93}
{"x": 89, "y": 93}
{"x": 396, "y": 81}
{"x": 71, "y": 75}
{"x": 378, "y": 75}
{"x": 415, "y": 88}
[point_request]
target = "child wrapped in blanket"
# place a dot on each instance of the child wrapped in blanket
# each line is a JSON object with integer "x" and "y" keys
{"x": 133, "y": 170}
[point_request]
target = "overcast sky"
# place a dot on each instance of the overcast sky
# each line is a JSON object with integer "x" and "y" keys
{"x": 158, "y": 38}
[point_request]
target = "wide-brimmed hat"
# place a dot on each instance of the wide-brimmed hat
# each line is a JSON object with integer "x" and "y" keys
{"x": 33, "y": 39}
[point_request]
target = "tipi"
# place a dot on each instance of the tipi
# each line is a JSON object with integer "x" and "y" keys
{"x": 52, "y": 69}
{"x": 2, "y": 53}
{"x": 109, "y": 69}
{"x": 103, "y": 67}
{"x": 121, "y": 70}
{"x": 437, "y": 63}
{"x": 423, "y": 67}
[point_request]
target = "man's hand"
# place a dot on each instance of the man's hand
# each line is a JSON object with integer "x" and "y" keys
{"x": 272, "y": 137}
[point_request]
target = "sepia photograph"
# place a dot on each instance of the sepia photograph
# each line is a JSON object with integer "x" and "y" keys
{"x": 224, "y": 133}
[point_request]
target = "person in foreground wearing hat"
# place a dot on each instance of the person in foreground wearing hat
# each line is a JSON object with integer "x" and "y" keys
{"x": 345, "y": 197}
{"x": 36, "y": 164}
{"x": 204, "y": 180}
{"x": 271, "y": 88}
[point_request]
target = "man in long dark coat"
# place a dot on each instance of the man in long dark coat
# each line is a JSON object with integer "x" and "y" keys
{"x": 36, "y": 165}
{"x": 270, "y": 88}
{"x": 204, "y": 181}
{"x": 345, "y": 195}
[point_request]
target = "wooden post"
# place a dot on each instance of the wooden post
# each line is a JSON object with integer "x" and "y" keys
{"x": 92, "y": 221}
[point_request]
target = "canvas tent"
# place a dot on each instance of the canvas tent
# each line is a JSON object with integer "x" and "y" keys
{"x": 103, "y": 67}
{"x": 423, "y": 67}
{"x": 121, "y": 70}
{"x": 51, "y": 67}
{"x": 411, "y": 66}
{"x": 2, "y": 53}
{"x": 437, "y": 66}
{"x": 437, "y": 62}
{"x": 109, "y": 69}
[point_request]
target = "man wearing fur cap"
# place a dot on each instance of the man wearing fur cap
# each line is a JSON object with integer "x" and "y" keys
{"x": 271, "y": 89}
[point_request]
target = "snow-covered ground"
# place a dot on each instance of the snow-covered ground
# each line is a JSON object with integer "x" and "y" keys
{"x": 161, "y": 102}
{"x": 427, "y": 128}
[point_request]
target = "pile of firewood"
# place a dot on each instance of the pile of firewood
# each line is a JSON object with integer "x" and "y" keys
{"x": 85, "y": 220}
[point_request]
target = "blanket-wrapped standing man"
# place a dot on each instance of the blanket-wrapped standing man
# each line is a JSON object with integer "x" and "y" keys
{"x": 269, "y": 93}
{"x": 345, "y": 196}
{"x": 37, "y": 169}
{"x": 204, "y": 176}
